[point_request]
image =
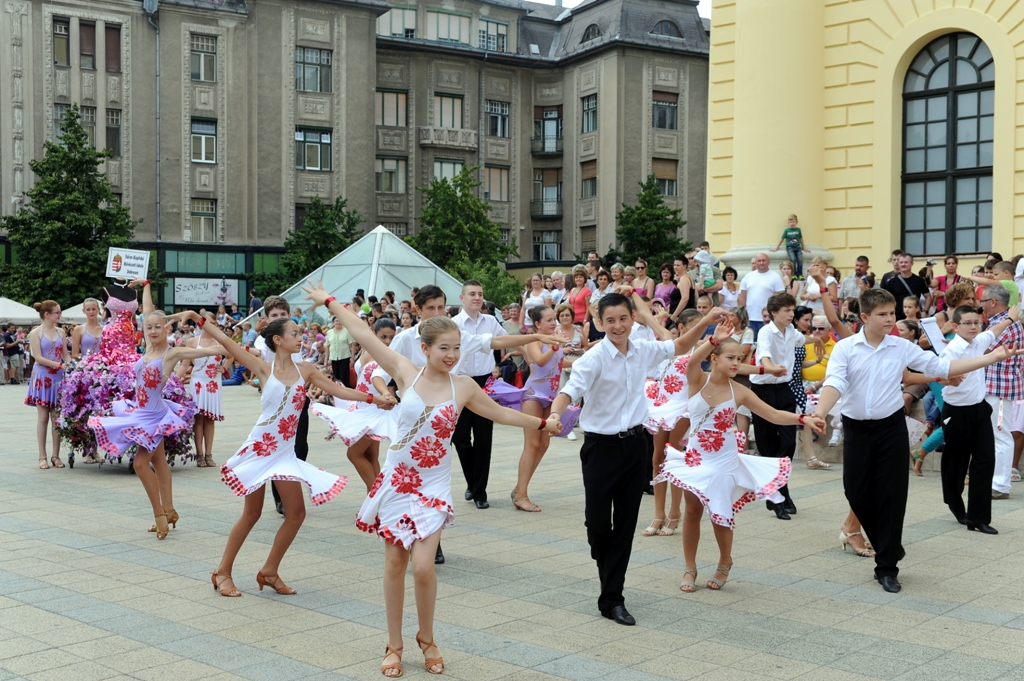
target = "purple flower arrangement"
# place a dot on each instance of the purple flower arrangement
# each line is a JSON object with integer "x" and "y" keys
{"x": 91, "y": 386}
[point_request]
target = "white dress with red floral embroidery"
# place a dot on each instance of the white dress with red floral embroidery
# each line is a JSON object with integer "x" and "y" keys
{"x": 667, "y": 401}
{"x": 269, "y": 453}
{"x": 412, "y": 497}
{"x": 205, "y": 387}
{"x": 351, "y": 421}
{"x": 713, "y": 468}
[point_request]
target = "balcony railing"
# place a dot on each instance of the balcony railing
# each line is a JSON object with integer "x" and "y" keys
{"x": 546, "y": 145}
{"x": 545, "y": 210}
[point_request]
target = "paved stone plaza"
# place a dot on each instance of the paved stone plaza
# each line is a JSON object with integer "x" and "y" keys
{"x": 87, "y": 594}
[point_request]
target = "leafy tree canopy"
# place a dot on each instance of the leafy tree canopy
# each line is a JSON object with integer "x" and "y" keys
{"x": 649, "y": 229}
{"x": 62, "y": 235}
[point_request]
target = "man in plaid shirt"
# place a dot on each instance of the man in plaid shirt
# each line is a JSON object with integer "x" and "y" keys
{"x": 1004, "y": 384}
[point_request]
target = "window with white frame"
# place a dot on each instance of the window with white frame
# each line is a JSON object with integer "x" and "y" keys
{"x": 312, "y": 149}
{"x": 390, "y": 108}
{"x": 204, "y": 141}
{"x": 88, "y": 119}
{"x": 61, "y": 42}
{"x": 497, "y": 119}
{"x": 448, "y": 28}
{"x": 447, "y": 112}
{"x": 60, "y": 111}
{"x": 398, "y": 22}
{"x": 390, "y": 175}
{"x": 506, "y": 236}
{"x": 496, "y": 183}
{"x": 204, "y": 57}
{"x": 397, "y": 228}
{"x": 312, "y": 70}
{"x": 114, "y": 132}
{"x": 664, "y": 110}
{"x": 589, "y": 114}
{"x": 446, "y": 170}
{"x": 547, "y": 245}
{"x": 493, "y": 36}
{"x": 204, "y": 220}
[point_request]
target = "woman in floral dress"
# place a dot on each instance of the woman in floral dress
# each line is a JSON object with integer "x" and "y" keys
{"x": 205, "y": 385}
{"x": 50, "y": 352}
{"x": 712, "y": 472}
{"x": 269, "y": 452}
{"x": 411, "y": 500}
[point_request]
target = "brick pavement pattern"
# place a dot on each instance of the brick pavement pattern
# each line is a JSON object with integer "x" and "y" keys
{"x": 87, "y": 594}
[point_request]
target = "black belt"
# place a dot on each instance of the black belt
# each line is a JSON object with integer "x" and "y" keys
{"x": 632, "y": 432}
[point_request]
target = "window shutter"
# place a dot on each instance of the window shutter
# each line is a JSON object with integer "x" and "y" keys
{"x": 113, "y": 48}
{"x": 663, "y": 169}
{"x": 588, "y": 170}
{"x": 665, "y": 97}
{"x": 87, "y": 34}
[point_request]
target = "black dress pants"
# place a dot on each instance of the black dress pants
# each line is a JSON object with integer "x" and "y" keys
{"x": 613, "y": 481}
{"x": 775, "y": 441}
{"x": 875, "y": 477}
{"x": 340, "y": 369}
{"x": 970, "y": 448}
{"x": 472, "y": 440}
{"x": 301, "y": 442}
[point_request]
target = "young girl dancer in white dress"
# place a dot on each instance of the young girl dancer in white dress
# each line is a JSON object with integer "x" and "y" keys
{"x": 712, "y": 472}
{"x": 269, "y": 452}
{"x": 411, "y": 500}
{"x": 205, "y": 385}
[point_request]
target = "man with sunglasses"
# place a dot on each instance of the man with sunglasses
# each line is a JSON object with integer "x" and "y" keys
{"x": 1003, "y": 384}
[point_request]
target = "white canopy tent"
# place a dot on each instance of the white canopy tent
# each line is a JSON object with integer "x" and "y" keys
{"x": 74, "y": 315}
{"x": 13, "y": 311}
{"x": 378, "y": 262}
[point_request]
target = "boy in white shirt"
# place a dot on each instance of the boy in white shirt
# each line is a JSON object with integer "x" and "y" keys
{"x": 967, "y": 423}
{"x": 866, "y": 371}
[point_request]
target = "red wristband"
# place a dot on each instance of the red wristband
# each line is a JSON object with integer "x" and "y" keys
{"x": 202, "y": 320}
{"x": 543, "y": 424}
{"x": 330, "y": 299}
{"x": 714, "y": 343}
{"x": 800, "y": 419}
{"x": 369, "y": 399}
{"x": 760, "y": 370}
{"x": 146, "y": 282}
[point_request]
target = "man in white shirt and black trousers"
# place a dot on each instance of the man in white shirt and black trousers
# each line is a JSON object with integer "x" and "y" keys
{"x": 610, "y": 378}
{"x": 866, "y": 371}
{"x": 475, "y": 453}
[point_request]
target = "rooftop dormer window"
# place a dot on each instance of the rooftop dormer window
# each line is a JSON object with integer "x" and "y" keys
{"x": 591, "y": 33}
{"x": 667, "y": 28}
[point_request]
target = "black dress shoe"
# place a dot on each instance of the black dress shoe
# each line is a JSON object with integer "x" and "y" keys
{"x": 890, "y": 583}
{"x": 279, "y": 506}
{"x": 469, "y": 495}
{"x": 439, "y": 556}
{"x": 780, "y": 512}
{"x": 649, "y": 489}
{"x": 962, "y": 519}
{"x": 620, "y": 615}
{"x": 790, "y": 507}
{"x": 481, "y": 503}
{"x": 980, "y": 527}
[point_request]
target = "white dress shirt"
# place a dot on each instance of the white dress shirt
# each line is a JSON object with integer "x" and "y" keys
{"x": 268, "y": 354}
{"x": 780, "y": 349}
{"x": 478, "y": 364}
{"x": 408, "y": 342}
{"x": 612, "y": 384}
{"x": 971, "y": 390}
{"x": 642, "y": 332}
{"x": 869, "y": 379}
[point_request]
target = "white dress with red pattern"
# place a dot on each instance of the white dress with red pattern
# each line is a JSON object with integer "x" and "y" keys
{"x": 412, "y": 497}
{"x": 714, "y": 470}
{"x": 144, "y": 421}
{"x": 205, "y": 387}
{"x": 269, "y": 453}
{"x": 350, "y": 421}
{"x": 667, "y": 400}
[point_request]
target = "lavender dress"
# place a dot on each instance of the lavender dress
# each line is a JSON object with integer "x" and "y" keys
{"x": 44, "y": 386}
{"x": 89, "y": 344}
{"x": 542, "y": 385}
{"x": 144, "y": 421}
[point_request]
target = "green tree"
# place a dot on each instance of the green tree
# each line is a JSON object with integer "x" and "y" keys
{"x": 500, "y": 287}
{"x": 456, "y": 227}
{"x": 61, "y": 236}
{"x": 326, "y": 231}
{"x": 650, "y": 229}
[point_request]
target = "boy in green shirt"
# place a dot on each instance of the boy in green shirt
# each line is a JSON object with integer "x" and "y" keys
{"x": 794, "y": 240}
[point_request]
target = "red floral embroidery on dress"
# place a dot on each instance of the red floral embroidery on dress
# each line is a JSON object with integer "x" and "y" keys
{"x": 199, "y": 387}
{"x": 47, "y": 382}
{"x": 725, "y": 419}
{"x": 554, "y": 381}
{"x": 363, "y": 388}
{"x": 39, "y": 384}
{"x": 444, "y": 422}
{"x": 743, "y": 501}
{"x": 691, "y": 458}
{"x": 407, "y": 523}
{"x": 265, "y": 446}
{"x": 428, "y": 451}
{"x": 660, "y": 401}
{"x": 212, "y": 387}
{"x": 681, "y": 364}
{"x": 406, "y": 479}
{"x": 211, "y": 369}
{"x": 288, "y": 426}
{"x": 151, "y": 376}
{"x": 142, "y": 397}
{"x": 652, "y": 390}
{"x": 712, "y": 440}
{"x": 672, "y": 384}
{"x": 368, "y": 372}
{"x": 299, "y": 398}
{"x": 376, "y": 485}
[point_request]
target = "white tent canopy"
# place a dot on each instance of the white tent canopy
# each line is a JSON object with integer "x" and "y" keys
{"x": 378, "y": 262}
{"x": 13, "y": 311}
{"x": 74, "y": 315}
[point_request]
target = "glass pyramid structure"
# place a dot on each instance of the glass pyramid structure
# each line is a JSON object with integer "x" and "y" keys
{"x": 378, "y": 262}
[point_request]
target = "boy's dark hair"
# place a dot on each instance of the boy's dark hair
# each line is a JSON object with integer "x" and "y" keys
{"x": 372, "y": 299}
{"x": 471, "y": 282}
{"x": 862, "y": 258}
{"x": 779, "y": 301}
{"x": 613, "y": 300}
{"x": 702, "y": 244}
{"x": 428, "y": 292}
{"x": 996, "y": 255}
{"x": 961, "y": 311}
{"x": 875, "y": 297}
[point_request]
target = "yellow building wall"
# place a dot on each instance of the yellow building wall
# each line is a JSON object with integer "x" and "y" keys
{"x": 866, "y": 47}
